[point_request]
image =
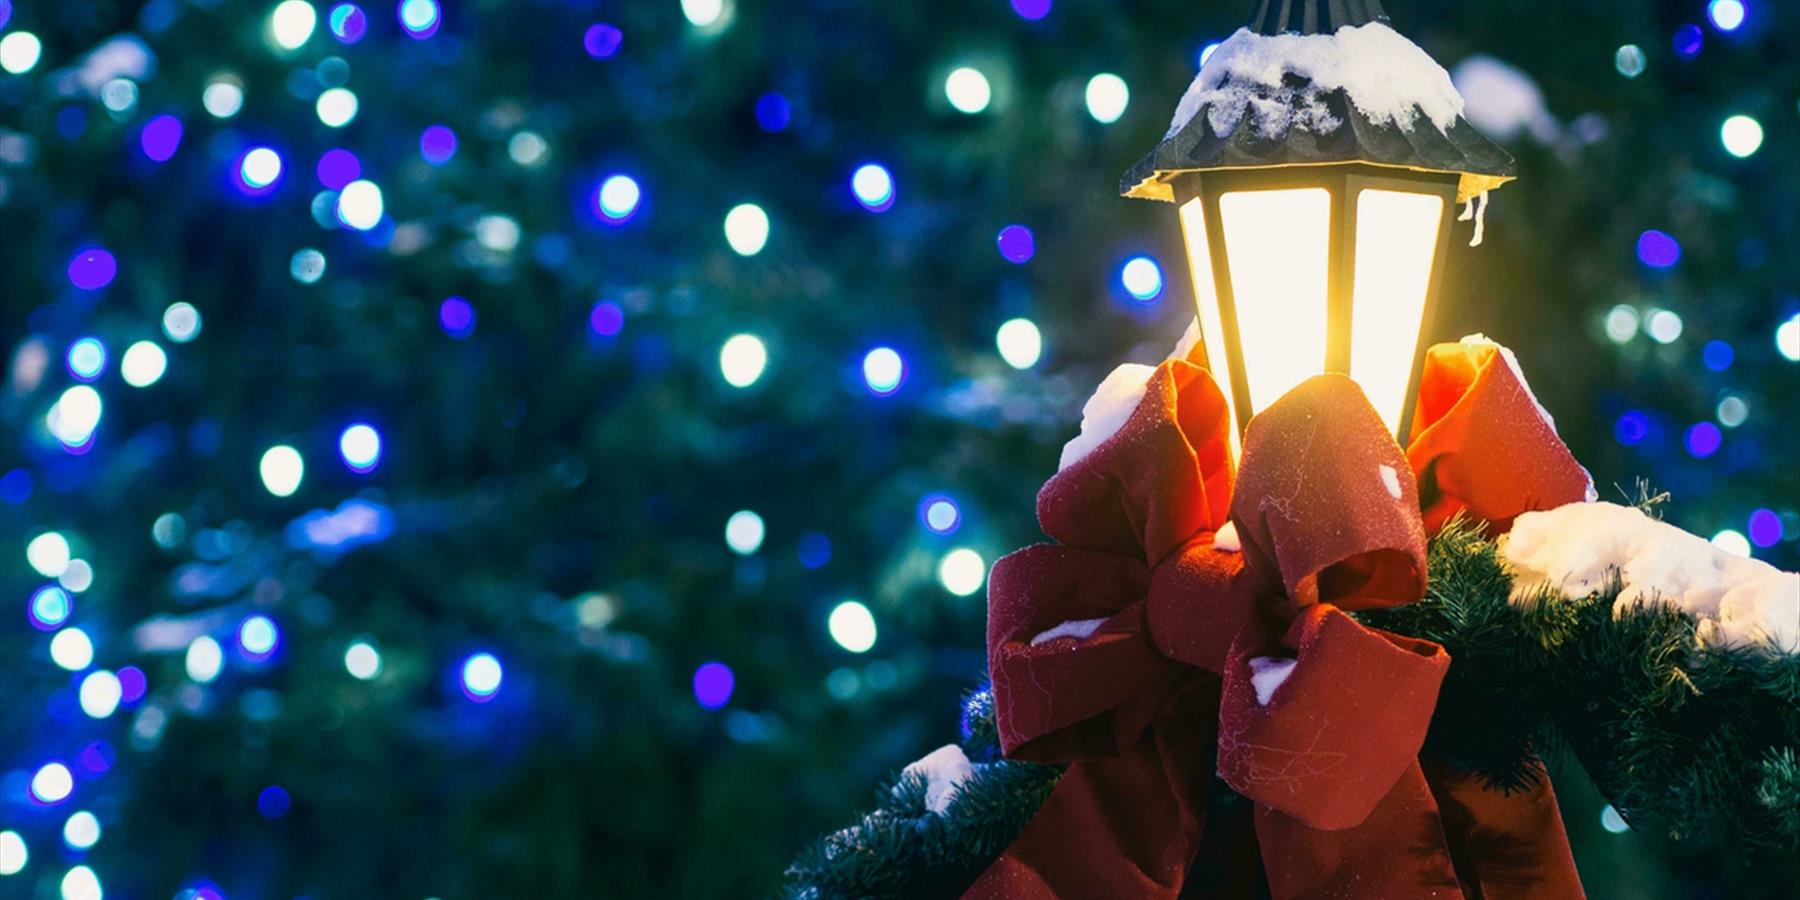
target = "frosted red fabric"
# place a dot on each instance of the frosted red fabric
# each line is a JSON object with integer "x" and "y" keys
{"x": 1481, "y": 443}
{"x": 1159, "y": 698}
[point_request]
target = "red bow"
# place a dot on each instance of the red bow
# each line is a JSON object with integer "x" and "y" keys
{"x": 1149, "y": 704}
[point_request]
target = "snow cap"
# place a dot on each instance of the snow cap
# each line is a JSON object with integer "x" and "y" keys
{"x": 1320, "y": 82}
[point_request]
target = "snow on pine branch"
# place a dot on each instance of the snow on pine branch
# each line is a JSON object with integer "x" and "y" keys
{"x": 1387, "y": 77}
{"x": 1578, "y": 549}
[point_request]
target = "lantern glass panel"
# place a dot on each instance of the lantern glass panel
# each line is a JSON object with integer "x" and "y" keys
{"x": 1396, "y": 240}
{"x": 1278, "y": 247}
{"x": 1206, "y": 299}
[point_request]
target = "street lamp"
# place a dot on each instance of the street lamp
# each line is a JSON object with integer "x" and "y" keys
{"x": 1316, "y": 162}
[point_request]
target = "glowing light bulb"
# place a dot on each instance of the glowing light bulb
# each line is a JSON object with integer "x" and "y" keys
{"x": 292, "y": 23}
{"x": 1107, "y": 97}
{"x": 282, "y": 469}
{"x": 1020, "y": 343}
{"x": 962, "y": 572}
{"x": 743, "y": 359}
{"x": 744, "y": 532}
{"x": 852, "y": 626}
{"x": 968, "y": 90}
{"x": 747, "y": 229}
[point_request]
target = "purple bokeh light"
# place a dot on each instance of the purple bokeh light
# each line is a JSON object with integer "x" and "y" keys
{"x": 607, "y": 319}
{"x": 713, "y": 684}
{"x": 457, "y": 317}
{"x": 602, "y": 40}
{"x": 338, "y": 168}
{"x": 1703, "y": 440}
{"x": 1658, "y": 249}
{"x": 348, "y": 23}
{"x": 1688, "y": 40}
{"x": 437, "y": 144}
{"x": 1765, "y": 528}
{"x": 160, "y": 138}
{"x": 1031, "y": 9}
{"x": 96, "y": 758}
{"x": 132, "y": 684}
{"x": 1017, "y": 244}
{"x": 92, "y": 269}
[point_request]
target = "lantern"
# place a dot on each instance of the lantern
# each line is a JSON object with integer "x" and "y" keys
{"x": 1316, "y": 163}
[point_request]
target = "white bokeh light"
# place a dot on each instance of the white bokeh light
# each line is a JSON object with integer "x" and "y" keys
{"x": 20, "y": 51}
{"x": 1107, "y": 97}
{"x": 359, "y": 205}
{"x": 337, "y": 107}
{"x": 968, "y": 90}
{"x": 75, "y": 415}
{"x": 205, "y": 659}
{"x": 181, "y": 322}
{"x": 362, "y": 661}
{"x": 52, "y": 783}
{"x": 1741, "y": 135}
{"x": 747, "y": 229}
{"x": 852, "y": 626}
{"x": 1663, "y": 326}
{"x": 82, "y": 830}
{"x": 962, "y": 571}
{"x": 1020, "y": 343}
{"x": 282, "y": 470}
{"x": 14, "y": 854}
{"x": 72, "y": 649}
{"x": 703, "y": 13}
{"x": 292, "y": 23}
{"x": 81, "y": 884}
{"x": 100, "y": 694}
{"x": 481, "y": 675}
{"x": 743, "y": 359}
{"x": 1733, "y": 542}
{"x": 1787, "y": 339}
{"x": 744, "y": 532}
{"x": 223, "y": 97}
{"x": 48, "y": 553}
{"x": 143, "y": 364}
{"x": 883, "y": 370}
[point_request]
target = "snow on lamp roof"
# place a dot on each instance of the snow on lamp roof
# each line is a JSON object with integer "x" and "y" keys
{"x": 1282, "y": 92}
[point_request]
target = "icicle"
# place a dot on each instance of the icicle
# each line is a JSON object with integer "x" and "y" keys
{"x": 1468, "y": 212}
{"x": 1479, "y": 205}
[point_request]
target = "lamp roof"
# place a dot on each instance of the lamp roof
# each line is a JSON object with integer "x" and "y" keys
{"x": 1320, "y": 82}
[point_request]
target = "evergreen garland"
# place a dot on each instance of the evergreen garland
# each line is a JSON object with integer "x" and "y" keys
{"x": 1702, "y": 741}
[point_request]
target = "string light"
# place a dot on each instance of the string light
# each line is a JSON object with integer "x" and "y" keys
{"x": 968, "y": 90}
{"x": 883, "y": 371}
{"x": 292, "y": 23}
{"x": 852, "y": 626}
{"x": 144, "y": 363}
{"x": 1107, "y": 96}
{"x": 282, "y": 470}
{"x": 481, "y": 677}
{"x": 742, "y": 360}
{"x": 1020, "y": 343}
{"x": 962, "y": 571}
{"x": 747, "y": 229}
{"x": 744, "y": 532}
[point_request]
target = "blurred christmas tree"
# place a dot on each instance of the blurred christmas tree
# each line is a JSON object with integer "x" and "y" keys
{"x": 553, "y": 448}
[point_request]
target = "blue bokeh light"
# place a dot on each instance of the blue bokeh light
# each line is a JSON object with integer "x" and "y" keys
{"x": 273, "y": 802}
{"x": 814, "y": 550}
{"x": 348, "y": 23}
{"x": 50, "y": 607}
{"x": 1717, "y": 355}
{"x": 1688, "y": 40}
{"x": 1632, "y": 427}
{"x": 774, "y": 113}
